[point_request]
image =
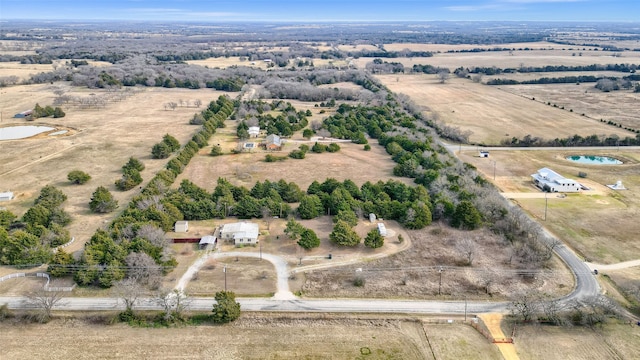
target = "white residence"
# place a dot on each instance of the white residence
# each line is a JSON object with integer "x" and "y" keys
{"x": 241, "y": 233}
{"x": 549, "y": 180}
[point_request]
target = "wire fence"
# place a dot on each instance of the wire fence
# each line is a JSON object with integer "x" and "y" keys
{"x": 40, "y": 275}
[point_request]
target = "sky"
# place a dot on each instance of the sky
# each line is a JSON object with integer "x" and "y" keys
{"x": 322, "y": 10}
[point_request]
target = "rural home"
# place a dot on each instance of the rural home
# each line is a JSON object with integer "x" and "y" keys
{"x": 6, "y": 196}
{"x": 242, "y": 233}
{"x": 181, "y": 226}
{"x": 254, "y": 131}
{"x": 273, "y": 142}
{"x": 550, "y": 181}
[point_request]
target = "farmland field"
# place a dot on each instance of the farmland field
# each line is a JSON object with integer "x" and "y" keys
{"x": 251, "y": 337}
{"x": 492, "y": 114}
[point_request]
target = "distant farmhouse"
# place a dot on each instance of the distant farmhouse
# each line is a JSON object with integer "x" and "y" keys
{"x": 273, "y": 142}
{"x": 6, "y": 196}
{"x": 550, "y": 181}
{"x": 254, "y": 131}
{"x": 241, "y": 233}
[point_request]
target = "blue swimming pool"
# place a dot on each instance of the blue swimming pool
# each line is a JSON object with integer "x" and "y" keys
{"x": 594, "y": 160}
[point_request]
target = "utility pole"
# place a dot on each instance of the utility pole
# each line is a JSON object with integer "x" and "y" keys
{"x": 465, "y": 309}
{"x": 224, "y": 270}
{"x": 440, "y": 282}
{"x": 545, "y": 206}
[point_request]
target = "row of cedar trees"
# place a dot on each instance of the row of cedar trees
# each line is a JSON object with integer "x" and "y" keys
{"x": 103, "y": 260}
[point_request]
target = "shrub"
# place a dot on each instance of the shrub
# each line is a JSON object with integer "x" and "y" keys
{"x": 216, "y": 150}
{"x": 359, "y": 281}
{"x": 78, "y": 177}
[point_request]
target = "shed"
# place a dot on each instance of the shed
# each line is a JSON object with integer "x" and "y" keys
{"x": 484, "y": 154}
{"x": 382, "y": 229}
{"x": 372, "y": 217}
{"x": 181, "y": 226}
{"x": 23, "y": 114}
{"x": 6, "y": 196}
{"x": 254, "y": 131}
{"x": 207, "y": 240}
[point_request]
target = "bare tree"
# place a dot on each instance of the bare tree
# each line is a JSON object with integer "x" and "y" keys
{"x": 143, "y": 269}
{"x": 524, "y": 306}
{"x": 45, "y": 301}
{"x": 266, "y": 216}
{"x": 197, "y": 103}
{"x": 443, "y": 76}
{"x": 323, "y": 133}
{"x": 477, "y": 78}
{"x": 467, "y": 247}
{"x": 173, "y": 303}
{"x": 129, "y": 290}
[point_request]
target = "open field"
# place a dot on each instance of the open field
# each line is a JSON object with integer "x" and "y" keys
{"x": 103, "y": 142}
{"x": 600, "y": 224}
{"x": 225, "y": 62}
{"x": 618, "y": 106}
{"x": 351, "y": 162}
{"x": 458, "y": 47}
{"x": 24, "y": 71}
{"x": 515, "y": 59}
{"x": 490, "y": 113}
{"x": 614, "y": 341}
{"x": 262, "y": 336}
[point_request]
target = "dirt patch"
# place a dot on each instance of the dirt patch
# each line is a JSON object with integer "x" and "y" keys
{"x": 493, "y": 324}
{"x": 244, "y": 276}
{"x": 415, "y": 273}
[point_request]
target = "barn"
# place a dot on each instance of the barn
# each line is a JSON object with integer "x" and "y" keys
{"x": 550, "y": 181}
{"x": 273, "y": 142}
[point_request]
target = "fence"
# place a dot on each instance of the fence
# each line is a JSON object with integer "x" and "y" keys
{"x": 64, "y": 245}
{"x": 40, "y": 275}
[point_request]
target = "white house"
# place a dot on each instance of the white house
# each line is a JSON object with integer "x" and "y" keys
{"x": 549, "y": 180}
{"x": 254, "y": 131}
{"x": 181, "y": 226}
{"x": 242, "y": 233}
{"x": 382, "y": 229}
{"x": 6, "y": 196}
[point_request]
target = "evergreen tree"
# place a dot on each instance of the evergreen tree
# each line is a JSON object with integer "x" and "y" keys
{"x": 226, "y": 309}
{"x": 342, "y": 234}
{"x": 78, "y": 177}
{"x": 374, "y": 240}
{"x": 466, "y": 216}
{"x": 308, "y": 239}
{"x": 102, "y": 201}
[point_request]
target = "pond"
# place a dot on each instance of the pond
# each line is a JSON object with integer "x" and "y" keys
{"x": 22, "y": 131}
{"x": 594, "y": 160}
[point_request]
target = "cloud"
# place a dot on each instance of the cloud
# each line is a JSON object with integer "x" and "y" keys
{"x": 505, "y": 5}
{"x": 172, "y": 13}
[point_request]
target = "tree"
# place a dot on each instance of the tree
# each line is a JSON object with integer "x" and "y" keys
{"x": 143, "y": 269}
{"x": 102, "y": 201}
{"x": 78, "y": 177}
{"x": 134, "y": 164}
{"x": 524, "y": 306}
{"x": 59, "y": 265}
{"x": 216, "y": 150}
{"x": 129, "y": 290}
{"x": 443, "y": 76}
{"x": 226, "y": 309}
{"x": 466, "y": 216}
{"x": 160, "y": 151}
{"x": 342, "y": 234}
{"x": 307, "y": 133}
{"x": 44, "y": 301}
{"x": 308, "y": 239}
{"x": 347, "y": 216}
{"x": 171, "y": 142}
{"x": 467, "y": 247}
{"x": 173, "y": 303}
{"x": 310, "y": 207}
{"x": 374, "y": 240}
{"x": 293, "y": 229}
{"x": 6, "y": 218}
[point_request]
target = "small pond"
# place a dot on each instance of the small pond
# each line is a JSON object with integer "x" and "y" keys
{"x": 22, "y": 131}
{"x": 594, "y": 160}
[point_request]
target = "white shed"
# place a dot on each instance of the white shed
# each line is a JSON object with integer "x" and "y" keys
{"x": 181, "y": 226}
{"x": 382, "y": 229}
{"x": 6, "y": 196}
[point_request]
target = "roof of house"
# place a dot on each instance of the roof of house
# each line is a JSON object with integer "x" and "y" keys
{"x": 547, "y": 175}
{"x": 254, "y": 130}
{"x": 241, "y": 229}
{"x": 274, "y": 139}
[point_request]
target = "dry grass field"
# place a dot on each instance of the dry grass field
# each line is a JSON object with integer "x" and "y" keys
{"x": 102, "y": 142}
{"x": 245, "y": 277}
{"x": 24, "y": 71}
{"x": 458, "y": 47}
{"x": 490, "y": 113}
{"x": 614, "y": 341}
{"x": 515, "y": 59}
{"x": 351, "y": 162}
{"x": 600, "y": 224}
{"x": 225, "y": 62}
{"x": 253, "y": 336}
{"x": 618, "y": 106}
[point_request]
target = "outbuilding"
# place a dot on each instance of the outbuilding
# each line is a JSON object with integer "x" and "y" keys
{"x": 382, "y": 229}
{"x": 550, "y": 181}
{"x": 181, "y": 226}
{"x": 207, "y": 240}
{"x": 273, "y": 142}
{"x": 6, "y": 196}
